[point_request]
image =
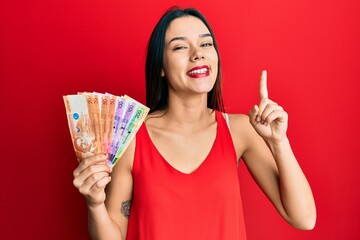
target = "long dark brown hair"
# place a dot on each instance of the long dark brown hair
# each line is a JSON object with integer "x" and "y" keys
{"x": 156, "y": 86}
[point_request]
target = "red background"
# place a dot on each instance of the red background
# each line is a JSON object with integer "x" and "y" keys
{"x": 52, "y": 48}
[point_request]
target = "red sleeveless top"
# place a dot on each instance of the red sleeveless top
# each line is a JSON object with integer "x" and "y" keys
{"x": 170, "y": 205}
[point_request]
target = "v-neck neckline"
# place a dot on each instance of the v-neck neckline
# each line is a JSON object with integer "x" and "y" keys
{"x": 201, "y": 165}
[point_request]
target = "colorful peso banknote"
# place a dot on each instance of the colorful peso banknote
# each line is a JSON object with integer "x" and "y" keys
{"x": 103, "y": 123}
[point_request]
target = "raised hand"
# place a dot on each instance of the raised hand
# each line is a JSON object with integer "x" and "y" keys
{"x": 268, "y": 118}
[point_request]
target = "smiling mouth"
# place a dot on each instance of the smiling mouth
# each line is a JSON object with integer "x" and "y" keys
{"x": 197, "y": 72}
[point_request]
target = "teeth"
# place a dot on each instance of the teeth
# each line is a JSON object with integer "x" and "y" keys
{"x": 199, "y": 71}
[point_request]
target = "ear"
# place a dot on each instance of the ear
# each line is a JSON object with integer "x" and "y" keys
{"x": 162, "y": 74}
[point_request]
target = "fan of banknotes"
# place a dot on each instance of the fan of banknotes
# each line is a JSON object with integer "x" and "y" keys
{"x": 103, "y": 123}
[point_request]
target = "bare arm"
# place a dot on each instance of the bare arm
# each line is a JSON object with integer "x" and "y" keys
{"x": 120, "y": 190}
{"x": 104, "y": 210}
{"x": 270, "y": 160}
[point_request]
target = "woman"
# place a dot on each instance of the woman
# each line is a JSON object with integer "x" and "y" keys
{"x": 178, "y": 178}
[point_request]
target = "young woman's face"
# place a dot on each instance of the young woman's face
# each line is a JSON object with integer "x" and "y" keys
{"x": 190, "y": 59}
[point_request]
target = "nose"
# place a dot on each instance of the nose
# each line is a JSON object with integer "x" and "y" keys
{"x": 197, "y": 55}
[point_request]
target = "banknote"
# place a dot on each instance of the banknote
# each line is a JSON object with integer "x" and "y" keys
{"x": 108, "y": 132}
{"x": 80, "y": 126}
{"x": 94, "y": 109}
{"x": 139, "y": 113}
{"x": 107, "y": 118}
{"x": 120, "y": 108}
{"x": 122, "y": 125}
{"x": 103, "y": 123}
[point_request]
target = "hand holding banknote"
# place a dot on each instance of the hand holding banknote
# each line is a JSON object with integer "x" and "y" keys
{"x": 101, "y": 128}
{"x": 91, "y": 177}
{"x": 103, "y": 123}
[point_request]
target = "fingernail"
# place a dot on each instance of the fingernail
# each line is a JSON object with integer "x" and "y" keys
{"x": 257, "y": 119}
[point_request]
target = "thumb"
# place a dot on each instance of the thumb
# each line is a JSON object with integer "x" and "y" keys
{"x": 252, "y": 114}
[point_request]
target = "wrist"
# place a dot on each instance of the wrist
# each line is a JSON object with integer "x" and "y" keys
{"x": 96, "y": 207}
{"x": 276, "y": 145}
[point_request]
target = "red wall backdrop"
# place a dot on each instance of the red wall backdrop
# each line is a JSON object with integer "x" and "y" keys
{"x": 50, "y": 48}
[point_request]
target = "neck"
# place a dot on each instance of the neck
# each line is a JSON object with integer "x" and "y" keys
{"x": 189, "y": 110}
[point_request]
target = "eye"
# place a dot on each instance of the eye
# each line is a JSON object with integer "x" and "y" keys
{"x": 179, "y": 48}
{"x": 209, "y": 44}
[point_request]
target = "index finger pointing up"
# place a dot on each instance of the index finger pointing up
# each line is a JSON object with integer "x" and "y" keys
{"x": 263, "y": 85}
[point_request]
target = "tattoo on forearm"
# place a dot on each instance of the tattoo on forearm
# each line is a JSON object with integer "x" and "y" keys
{"x": 125, "y": 208}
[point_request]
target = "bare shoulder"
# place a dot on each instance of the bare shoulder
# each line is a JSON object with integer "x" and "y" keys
{"x": 238, "y": 118}
{"x": 152, "y": 119}
{"x": 155, "y": 123}
{"x": 242, "y": 132}
{"x": 240, "y": 125}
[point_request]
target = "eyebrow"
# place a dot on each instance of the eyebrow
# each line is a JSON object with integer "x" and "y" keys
{"x": 184, "y": 38}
